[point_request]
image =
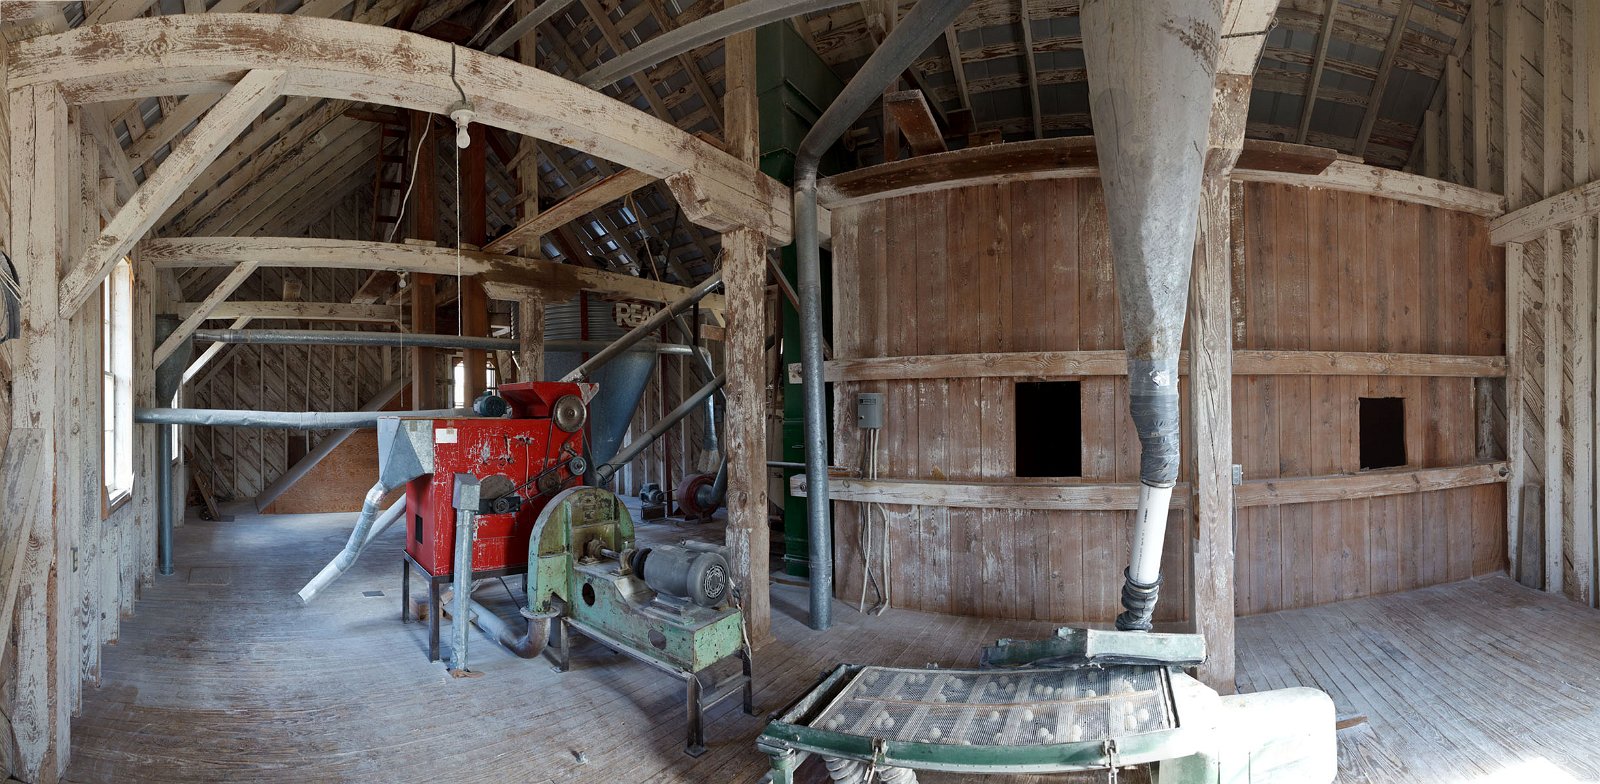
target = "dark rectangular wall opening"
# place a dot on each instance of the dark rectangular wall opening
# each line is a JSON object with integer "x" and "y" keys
{"x": 1383, "y": 432}
{"x": 1049, "y": 428}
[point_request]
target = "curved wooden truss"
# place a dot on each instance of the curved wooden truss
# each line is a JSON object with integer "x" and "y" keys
{"x": 327, "y": 58}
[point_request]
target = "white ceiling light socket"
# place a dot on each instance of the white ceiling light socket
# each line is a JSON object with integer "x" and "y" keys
{"x": 462, "y": 113}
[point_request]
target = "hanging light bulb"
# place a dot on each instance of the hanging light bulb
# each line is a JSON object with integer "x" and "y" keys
{"x": 462, "y": 113}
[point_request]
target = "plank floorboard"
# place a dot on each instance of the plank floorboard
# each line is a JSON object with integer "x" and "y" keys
{"x": 237, "y": 682}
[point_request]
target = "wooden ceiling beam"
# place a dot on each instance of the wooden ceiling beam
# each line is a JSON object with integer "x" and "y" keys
{"x": 310, "y": 252}
{"x": 1026, "y": 22}
{"x": 1314, "y": 81}
{"x": 1370, "y": 117}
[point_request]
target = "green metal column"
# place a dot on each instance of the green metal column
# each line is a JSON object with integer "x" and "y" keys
{"x": 793, "y": 86}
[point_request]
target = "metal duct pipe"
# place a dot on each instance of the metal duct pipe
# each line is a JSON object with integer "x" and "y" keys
{"x": 924, "y": 23}
{"x": 604, "y": 473}
{"x": 1152, "y": 68}
{"x": 164, "y": 495}
{"x": 705, "y": 372}
{"x": 405, "y": 452}
{"x": 527, "y": 645}
{"x": 466, "y": 505}
{"x": 644, "y": 329}
{"x": 368, "y": 525}
{"x": 286, "y": 420}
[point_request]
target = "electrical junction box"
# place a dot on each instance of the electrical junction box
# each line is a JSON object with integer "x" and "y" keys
{"x": 869, "y": 410}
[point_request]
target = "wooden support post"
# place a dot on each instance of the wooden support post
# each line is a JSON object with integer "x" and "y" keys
{"x": 744, "y": 275}
{"x": 41, "y": 191}
{"x": 1516, "y": 446}
{"x": 1516, "y": 43}
{"x": 425, "y": 393}
{"x": 1454, "y": 155}
{"x": 530, "y": 323}
{"x": 1480, "y": 103}
{"x": 1210, "y": 387}
{"x": 1554, "y": 470}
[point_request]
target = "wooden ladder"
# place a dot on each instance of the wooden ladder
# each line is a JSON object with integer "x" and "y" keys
{"x": 389, "y": 176}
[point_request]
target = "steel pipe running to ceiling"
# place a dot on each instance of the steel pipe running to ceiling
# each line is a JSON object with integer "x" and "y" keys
{"x": 646, "y": 328}
{"x": 910, "y": 37}
{"x": 286, "y": 420}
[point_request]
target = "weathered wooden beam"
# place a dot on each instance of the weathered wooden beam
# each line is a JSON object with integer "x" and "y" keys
{"x": 987, "y": 495}
{"x": 1556, "y": 212}
{"x": 221, "y": 126}
{"x": 1388, "y": 184}
{"x": 1367, "y": 484}
{"x": 591, "y": 198}
{"x": 958, "y": 67}
{"x": 1246, "y": 362}
{"x": 1025, "y": 20}
{"x": 1555, "y": 425}
{"x": 1060, "y": 158}
{"x": 1245, "y": 24}
{"x": 1516, "y": 44}
{"x": 1370, "y": 117}
{"x": 334, "y": 59}
{"x": 526, "y": 24}
{"x": 271, "y": 310}
{"x": 915, "y": 120}
{"x": 235, "y": 277}
{"x": 22, "y": 498}
{"x": 303, "y": 252}
{"x": 1480, "y": 102}
{"x": 1314, "y": 81}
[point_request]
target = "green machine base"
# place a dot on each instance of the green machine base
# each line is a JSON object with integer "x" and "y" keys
{"x": 1072, "y": 703}
{"x": 582, "y": 555}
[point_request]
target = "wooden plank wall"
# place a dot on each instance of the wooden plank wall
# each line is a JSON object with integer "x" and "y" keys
{"x": 1021, "y": 267}
{"x": 1329, "y": 271}
{"x": 1026, "y": 267}
{"x": 1523, "y": 122}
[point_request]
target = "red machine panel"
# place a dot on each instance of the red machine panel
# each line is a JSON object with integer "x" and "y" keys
{"x": 529, "y": 449}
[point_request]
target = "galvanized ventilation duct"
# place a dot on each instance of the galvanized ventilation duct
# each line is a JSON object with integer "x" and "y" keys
{"x": 1151, "y": 67}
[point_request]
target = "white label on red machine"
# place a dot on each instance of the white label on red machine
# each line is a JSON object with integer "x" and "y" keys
{"x": 444, "y": 435}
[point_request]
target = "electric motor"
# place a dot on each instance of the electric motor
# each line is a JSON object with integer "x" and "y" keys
{"x": 695, "y": 571}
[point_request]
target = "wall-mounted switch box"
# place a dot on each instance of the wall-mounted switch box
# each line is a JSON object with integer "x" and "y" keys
{"x": 869, "y": 410}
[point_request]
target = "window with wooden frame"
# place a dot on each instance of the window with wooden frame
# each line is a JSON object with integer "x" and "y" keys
{"x": 116, "y": 365}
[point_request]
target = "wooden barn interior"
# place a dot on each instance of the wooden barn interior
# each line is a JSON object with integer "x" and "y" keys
{"x": 829, "y": 320}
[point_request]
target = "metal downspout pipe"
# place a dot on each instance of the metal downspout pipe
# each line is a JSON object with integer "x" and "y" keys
{"x": 1152, "y": 69}
{"x": 164, "y": 512}
{"x": 911, "y": 35}
{"x": 285, "y": 420}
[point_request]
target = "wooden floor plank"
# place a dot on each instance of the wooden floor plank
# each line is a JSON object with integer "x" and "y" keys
{"x": 236, "y": 682}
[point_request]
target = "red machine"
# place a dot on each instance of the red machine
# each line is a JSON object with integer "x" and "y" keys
{"x": 521, "y": 462}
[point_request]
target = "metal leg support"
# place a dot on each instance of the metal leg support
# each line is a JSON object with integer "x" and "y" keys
{"x": 749, "y": 682}
{"x": 562, "y": 659}
{"x": 405, "y": 591}
{"x": 433, "y": 620}
{"x": 784, "y": 763}
{"x": 696, "y": 744}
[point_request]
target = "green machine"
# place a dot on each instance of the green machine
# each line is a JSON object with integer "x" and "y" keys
{"x": 1081, "y": 700}
{"x": 670, "y": 606}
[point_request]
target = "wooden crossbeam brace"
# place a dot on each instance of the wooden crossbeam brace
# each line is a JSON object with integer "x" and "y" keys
{"x": 914, "y": 119}
{"x": 221, "y": 126}
{"x": 298, "y": 311}
{"x": 190, "y": 323}
{"x": 19, "y": 470}
{"x": 597, "y": 195}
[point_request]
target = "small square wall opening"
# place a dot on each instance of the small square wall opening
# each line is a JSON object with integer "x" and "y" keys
{"x": 1049, "y": 420}
{"x": 1383, "y": 432}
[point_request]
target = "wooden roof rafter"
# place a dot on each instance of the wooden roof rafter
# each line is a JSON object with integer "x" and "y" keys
{"x": 326, "y": 54}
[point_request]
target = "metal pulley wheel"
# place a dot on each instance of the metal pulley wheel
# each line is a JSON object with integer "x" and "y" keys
{"x": 569, "y": 413}
{"x": 689, "y": 495}
{"x": 578, "y": 466}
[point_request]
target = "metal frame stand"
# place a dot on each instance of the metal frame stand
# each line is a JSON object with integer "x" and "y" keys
{"x": 696, "y": 700}
{"x": 407, "y": 563}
